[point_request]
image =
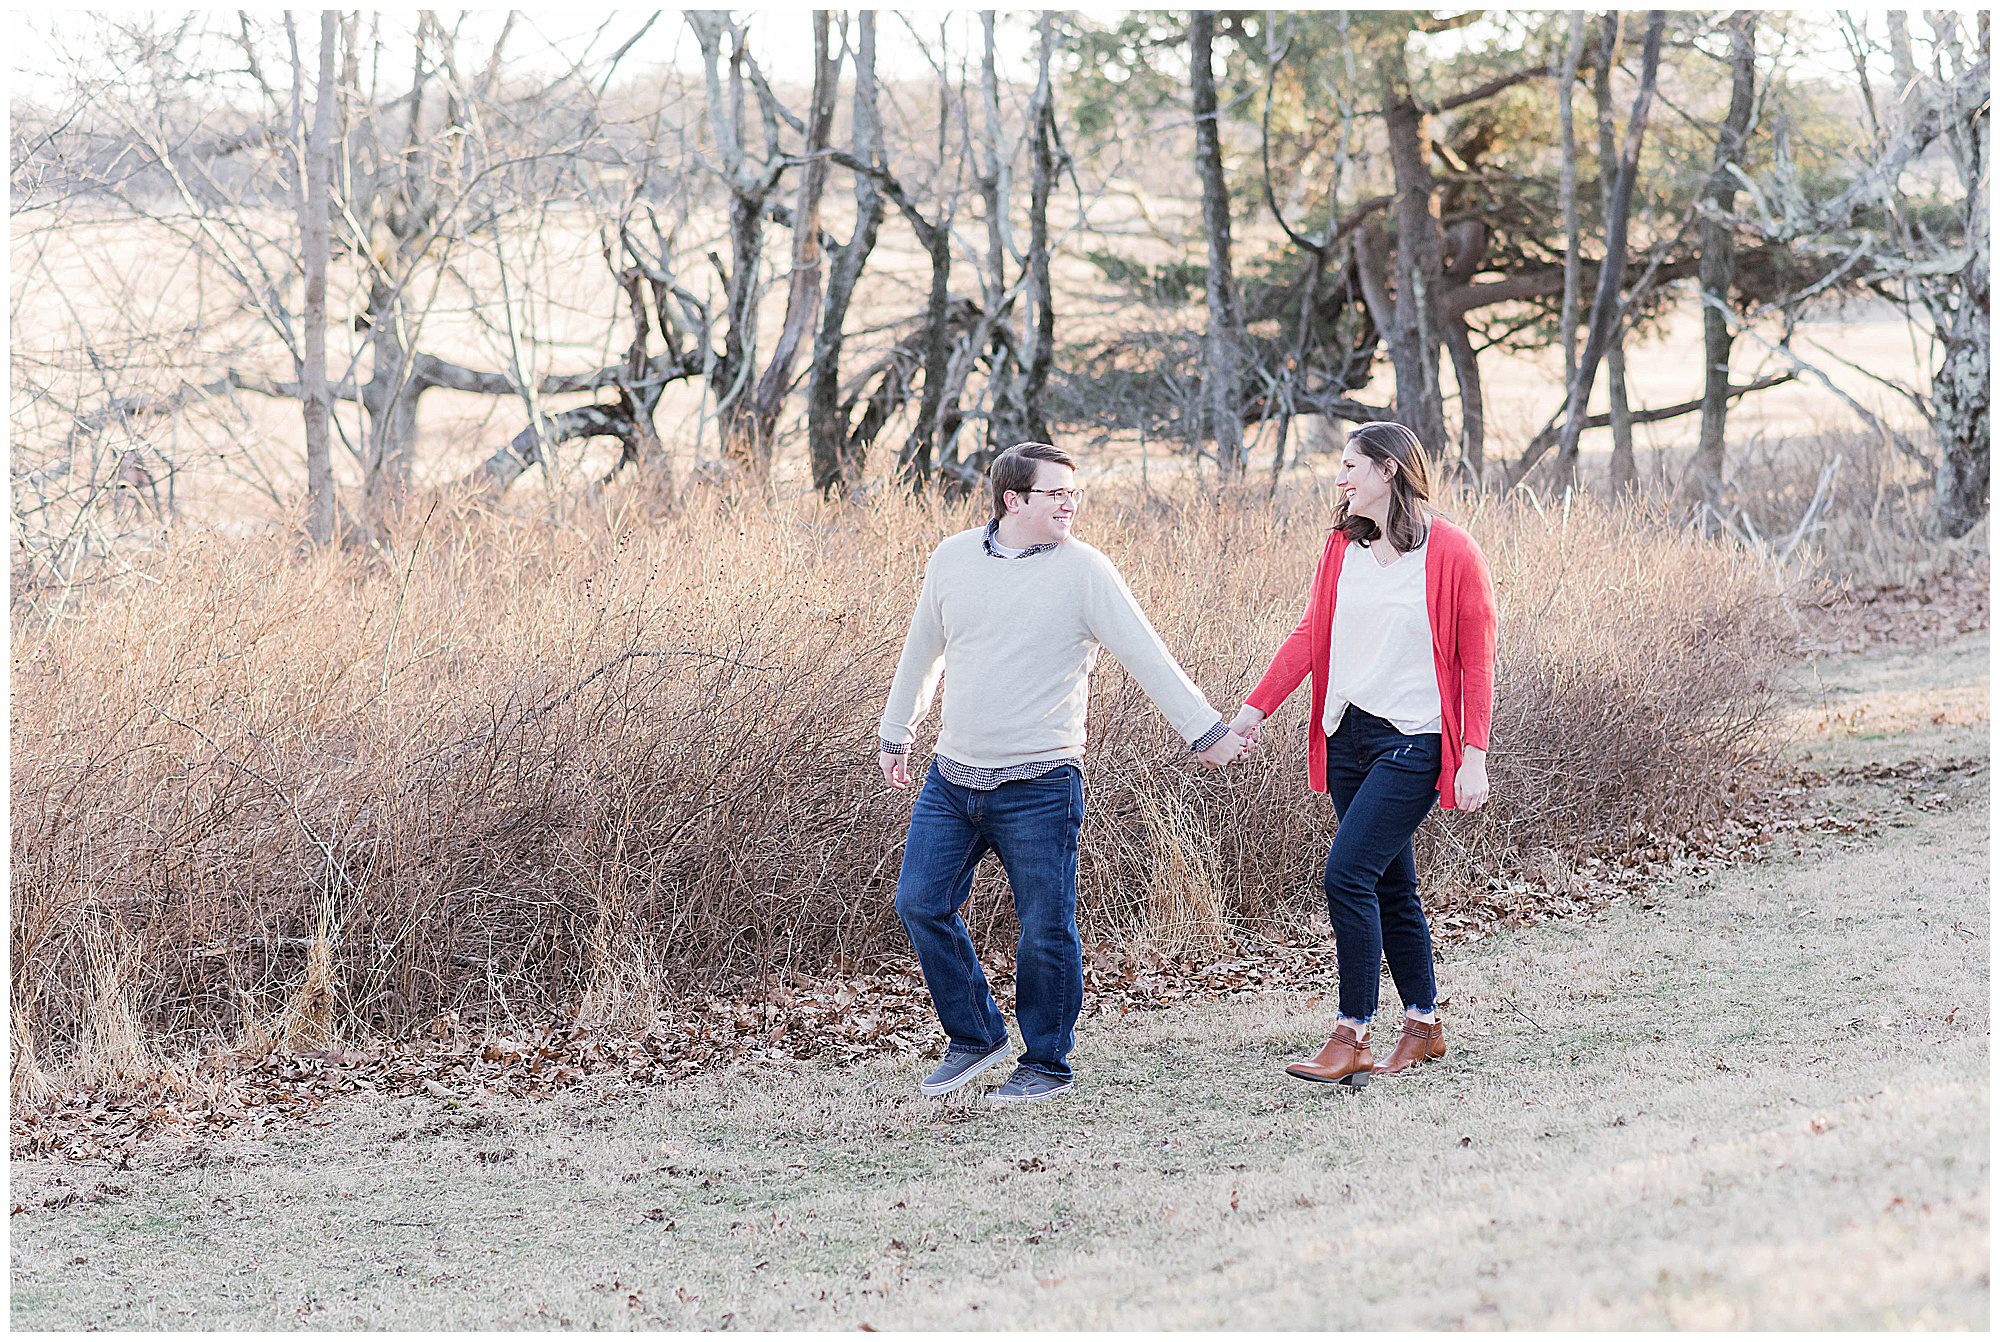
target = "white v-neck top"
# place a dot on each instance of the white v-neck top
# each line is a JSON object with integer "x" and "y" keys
{"x": 1382, "y": 659}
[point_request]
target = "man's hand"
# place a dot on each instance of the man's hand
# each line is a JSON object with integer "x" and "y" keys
{"x": 895, "y": 769}
{"x": 1248, "y": 724}
{"x": 1471, "y": 786}
{"x": 1224, "y": 751}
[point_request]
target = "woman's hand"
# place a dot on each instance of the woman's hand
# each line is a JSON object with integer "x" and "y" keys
{"x": 1247, "y": 723}
{"x": 1471, "y": 787}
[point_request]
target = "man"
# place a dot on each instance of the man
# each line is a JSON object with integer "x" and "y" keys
{"x": 1012, "y": 616}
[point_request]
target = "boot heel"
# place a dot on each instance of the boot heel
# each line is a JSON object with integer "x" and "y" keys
{"x": 1353, "y": 1080}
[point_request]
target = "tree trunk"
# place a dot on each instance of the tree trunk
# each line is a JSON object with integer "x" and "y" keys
{"x": 1471, "y": 399}
{"x": 838, "y": 459}
{"x": 1415, "y": 335}
{"x": 802, "y": 300}
{"x": 1566, "y": 196}
{"x": 1006, "y": 379}
{"x": 390, "y": 399}
{"x": 315, "y": 246}
{"x": 1223, "y": 423}
{"x": 1040, "y": 358}
{"x": 924, "y": 449}
{"x": 1606, "y": 307}
{"x": 525, "y": 449}
{"x": 1716, "y": 243}
{"x": 1962, "y": 390}
{"x": 749, "y": 190}
{"x": 917, "y": 460}
{"x": 739, "y": 337}
{"x": 1624, "y": 469}
{"x": 1295, "y": 364}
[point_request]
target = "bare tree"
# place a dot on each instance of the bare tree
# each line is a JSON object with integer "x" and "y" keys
{"x": 1959, "y": 301}
{"x": 1017, "y": 328}
{"x": 1221, "y": 419}
{"x": 1290, "y": 387}
{"x": 1414, "y": 333}
{"x": 750, "y": 176}
{"x": 1566, "y": 193}
{"x": 1046, "y": 157}
{"x": 1716, "y": 241}
{"x": 1624, "y": 469}
{"x": 1605, "y": 306}
{"x": 1867, "y": 224}
{"x": 803, "y": 296}
{"x": 927, "y": 447}
{"x": 838, "y": 453}
{"x": 315, "y": 399}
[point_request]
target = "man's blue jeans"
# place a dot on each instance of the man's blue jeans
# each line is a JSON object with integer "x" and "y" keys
{"x": 1033, "y": 825}
{"x": 1383, "y": 784}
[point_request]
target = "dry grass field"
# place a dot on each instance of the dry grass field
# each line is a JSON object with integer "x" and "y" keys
{"x": 1752, "y": 1099}
{"x": 523, "y": 771}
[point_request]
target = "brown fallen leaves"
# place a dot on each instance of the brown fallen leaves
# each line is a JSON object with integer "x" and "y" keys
{"x": 1864, "y": 616}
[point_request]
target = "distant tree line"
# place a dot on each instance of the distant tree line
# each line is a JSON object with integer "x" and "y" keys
{"x": 1369, "y": 189}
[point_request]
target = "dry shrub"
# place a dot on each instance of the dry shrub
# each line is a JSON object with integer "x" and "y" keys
{"x": 113, "y": 1051}
{"x": 1638, "y": 674}
{"x": 1186, "y": 909}
{"x": 29, "y": 1084}
{"x": 1851, "y": 509}
{"x": 523, "y": 769}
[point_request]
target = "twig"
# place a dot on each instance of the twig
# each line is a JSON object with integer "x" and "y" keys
{"x": 458, "y": 748}
{"x": 389, "y": 649}
{"x": 277, "y": 790}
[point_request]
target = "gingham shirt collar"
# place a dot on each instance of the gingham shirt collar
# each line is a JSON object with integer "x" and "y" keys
{"x": 993, "y": 528}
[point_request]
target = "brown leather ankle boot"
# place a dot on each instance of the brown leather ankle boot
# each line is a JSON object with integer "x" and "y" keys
{"x": 1345, "y": 1061}
{"x": 1422, "y": 1041}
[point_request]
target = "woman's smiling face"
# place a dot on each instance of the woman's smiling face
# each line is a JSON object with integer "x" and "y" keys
{"x": 1364, "y": 483}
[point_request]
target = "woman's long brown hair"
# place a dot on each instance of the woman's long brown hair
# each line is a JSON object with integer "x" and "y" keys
{"x": 1409, "y": 487}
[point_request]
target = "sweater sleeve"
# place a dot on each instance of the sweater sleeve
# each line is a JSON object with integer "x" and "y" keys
{"x": 919, "y": 668}
{"x": 1478, "y": 629}
{"x": 1295, "y": 655}
{"x": 1114, "y": 619}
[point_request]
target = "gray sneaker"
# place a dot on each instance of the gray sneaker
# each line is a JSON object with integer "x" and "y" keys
{"x": 1026, "y": 1085}
{"x": 959, "y": 1066}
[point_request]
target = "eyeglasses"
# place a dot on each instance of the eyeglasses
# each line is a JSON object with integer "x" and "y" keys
{"x": 1059, "y": 495}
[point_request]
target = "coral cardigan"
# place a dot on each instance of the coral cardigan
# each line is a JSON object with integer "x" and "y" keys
{"x": 1458, "y": 593}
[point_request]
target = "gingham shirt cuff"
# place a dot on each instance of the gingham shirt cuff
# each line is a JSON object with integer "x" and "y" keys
{"x": 1214, "y": 734}
{"x": 891, "y": 748}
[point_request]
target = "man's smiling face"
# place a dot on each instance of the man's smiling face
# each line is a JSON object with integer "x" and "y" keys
{"x": 1045, "y": 515}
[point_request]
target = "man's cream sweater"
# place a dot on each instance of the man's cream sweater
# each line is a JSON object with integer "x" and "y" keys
{"x": 1015, "y": 641}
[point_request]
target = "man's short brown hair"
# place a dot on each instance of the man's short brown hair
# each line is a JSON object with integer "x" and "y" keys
{"x": 1015, "y": 469}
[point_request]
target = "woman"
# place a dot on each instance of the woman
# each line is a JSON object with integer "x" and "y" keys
{"x": 1398, "y": 635}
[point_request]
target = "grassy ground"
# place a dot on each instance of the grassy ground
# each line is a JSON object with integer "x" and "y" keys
{"x": 1757, "y": 1099}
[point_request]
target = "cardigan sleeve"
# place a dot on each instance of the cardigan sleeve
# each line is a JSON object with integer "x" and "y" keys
{"x": 1295, "y": 655}
{"x": 1477, "y": 622}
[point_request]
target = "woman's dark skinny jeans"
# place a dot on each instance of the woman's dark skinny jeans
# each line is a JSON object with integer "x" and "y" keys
{"x": 1383, "y": 784}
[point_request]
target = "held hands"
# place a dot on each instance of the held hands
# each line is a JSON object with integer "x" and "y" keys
{"x": 1228, "y": 750}
{"x": 1235, "y": 747}
{"x": 895, "y": 769}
